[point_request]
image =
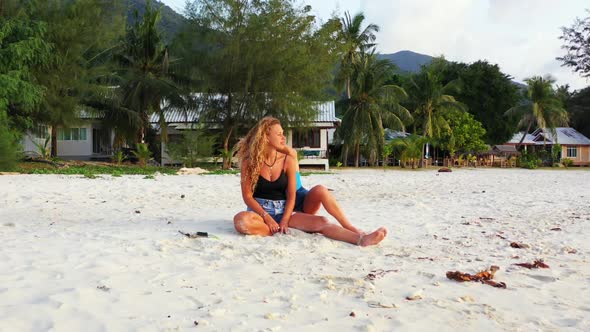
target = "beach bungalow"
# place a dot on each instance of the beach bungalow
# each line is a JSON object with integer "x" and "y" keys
{"x": 312, "y": 141}
{"x": 574, "y": 145}
{"x": 87, "y": 140}
{"x": 501, "y": 156}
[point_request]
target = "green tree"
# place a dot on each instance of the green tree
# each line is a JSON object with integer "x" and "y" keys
{"x": 76, "y": 31}
{"x": 144, "y": 76}
{"x": 466, "y": 134}
{"x": 193, "y": 145}
{"x": 372, "y": 106}
{"x": 410, "y": 149}
{"x": 487, "y": 93}
{"x": 541, "y": 106}
{"x": 356, "y": 41}
{"x": 578, "y": 106}
{"x": 577, "y": 45}
{"x": 430, "y": 100}
{"x": 257, "y": 58}
{"x": 24, "y": 47}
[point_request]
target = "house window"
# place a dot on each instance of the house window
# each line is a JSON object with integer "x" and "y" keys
{"x": 40, "y": 131}
{"x": 310, "y": 138}
{"x": 572, "y": 151}
{"x": 71, "y": 134}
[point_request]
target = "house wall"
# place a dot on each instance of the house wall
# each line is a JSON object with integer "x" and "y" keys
{"x": 583, "y": 155}
{"x": 77, "y": 149}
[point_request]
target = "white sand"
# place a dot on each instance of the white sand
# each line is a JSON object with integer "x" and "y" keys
{"x": 75, "y": 255}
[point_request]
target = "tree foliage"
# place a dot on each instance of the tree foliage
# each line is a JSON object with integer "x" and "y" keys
{"x": 257, "y": 58}
{"x": 466, "y": 134}
{"x": 487, "y": 93}
{"x": 577, "y": 46}
{"x": 578, "y": 107}
{"x": 76, "y": 31}
{"x": 144, "y": 75}
{"x": 193, "y": 145}
{"x": 410, "y": 149}
{"x": 23, "y": 47}
{"x": 540, "y": 106}
{"x": 373, "y": 106}
{"x": 356, "y": 41}
{"x": 430, "y": 100}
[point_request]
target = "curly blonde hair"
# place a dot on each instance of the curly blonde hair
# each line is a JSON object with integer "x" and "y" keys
{"x": 252, "y": 147}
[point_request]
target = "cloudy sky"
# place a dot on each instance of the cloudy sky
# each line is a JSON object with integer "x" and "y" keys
{"x": 521, "y": 36}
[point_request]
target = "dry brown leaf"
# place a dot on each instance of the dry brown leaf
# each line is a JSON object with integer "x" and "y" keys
{"x": 482, "y": 276}
{"x": 535, "y": 265}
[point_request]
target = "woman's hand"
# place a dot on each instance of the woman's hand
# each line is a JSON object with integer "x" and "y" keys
{"x": 283, "y": 226}
{"x": 271, "y": 223}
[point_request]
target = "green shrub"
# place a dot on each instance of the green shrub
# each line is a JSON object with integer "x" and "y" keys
{"x": 192, "y": 146}
{"x": 9, "y": 149}
{"x": 567, "y": 162}
{"x": 143, "y": 154}
{"x": 118, "y": 157}
{"x": 529, "y": 160}
{"x": 44, "y": 149}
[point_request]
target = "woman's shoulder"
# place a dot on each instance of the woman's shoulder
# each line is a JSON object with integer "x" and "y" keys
{"x": 289, "y": 161}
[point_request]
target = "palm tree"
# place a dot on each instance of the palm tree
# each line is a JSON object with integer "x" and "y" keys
{"x": 540, "y": 105}
{"x": 411, "y": 149}
{"x": 356, "y": 42}
{"x": 144, "y": 76}
{"x": 372, "y": 106}
{"x": 430, "y": 100}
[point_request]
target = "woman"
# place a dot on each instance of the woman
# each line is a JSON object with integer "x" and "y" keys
{"x": 268, "y": 184}
{"x": 309, "y": 201}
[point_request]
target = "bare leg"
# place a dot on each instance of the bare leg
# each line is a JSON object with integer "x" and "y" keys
{"x": 319, "y": 195}
{"x": 250, "y": 223}
{"x": 318, "y": 224}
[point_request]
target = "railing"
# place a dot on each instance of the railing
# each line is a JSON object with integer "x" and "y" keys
{"x": 313, "y": 153}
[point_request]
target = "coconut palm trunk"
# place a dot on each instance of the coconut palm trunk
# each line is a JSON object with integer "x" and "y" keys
{"x": 524, "y": 135}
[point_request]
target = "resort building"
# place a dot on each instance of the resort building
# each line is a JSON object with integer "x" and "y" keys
{"x": 574, "y": 145}
{"x": 313, "y": 140}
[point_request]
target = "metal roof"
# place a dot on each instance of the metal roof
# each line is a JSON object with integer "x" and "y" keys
{"x": 529, "y": 139}
{"x": 504, "y": 149}
{"x": 565, "y": 135}
{"x": 325, "y": 113}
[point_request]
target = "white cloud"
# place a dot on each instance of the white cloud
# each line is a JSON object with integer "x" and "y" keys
{"x": 521, "y": 36}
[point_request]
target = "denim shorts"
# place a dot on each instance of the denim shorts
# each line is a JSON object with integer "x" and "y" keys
{"x": 300, "y": 198}
{"x": 275, "y": 209}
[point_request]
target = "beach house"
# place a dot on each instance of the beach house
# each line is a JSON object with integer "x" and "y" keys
{"x": 312, "y": 141}
{"x": 574, "y": 145}
{"x": 88, "y": 139}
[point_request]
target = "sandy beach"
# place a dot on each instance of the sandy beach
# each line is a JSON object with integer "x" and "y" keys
{"x": 104, "y": 254}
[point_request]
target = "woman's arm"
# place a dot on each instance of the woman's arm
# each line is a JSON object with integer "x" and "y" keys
{"x": 291, "y": 188}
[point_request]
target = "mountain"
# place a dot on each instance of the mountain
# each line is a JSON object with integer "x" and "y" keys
{"x": 170, "y": 22}
{"x": 410, "y": 62}
{"x": 407, "y": 61}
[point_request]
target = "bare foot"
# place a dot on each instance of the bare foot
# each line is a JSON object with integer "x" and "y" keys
{"x": 373, "y": 238}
